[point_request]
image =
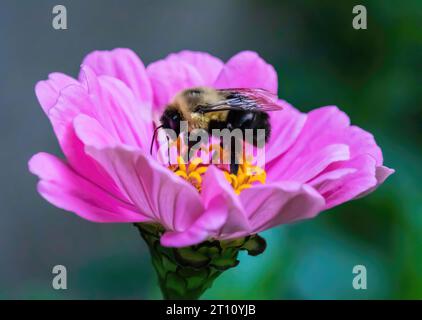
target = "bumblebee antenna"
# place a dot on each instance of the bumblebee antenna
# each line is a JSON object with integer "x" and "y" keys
{"x": 153, "y": 138}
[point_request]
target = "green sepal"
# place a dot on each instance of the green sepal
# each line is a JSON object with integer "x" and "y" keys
{"x": 185, "y": 273}
{"x": 255, "y": 245}
{"x": 189, "y": 257}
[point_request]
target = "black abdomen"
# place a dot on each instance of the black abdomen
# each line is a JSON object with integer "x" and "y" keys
{"x": 251, "y": 120}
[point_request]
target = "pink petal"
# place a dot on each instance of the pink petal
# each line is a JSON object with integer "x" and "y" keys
{"x": 208, "y": 66}
{"x": 286, "y": 126}
{"x": 337, "y": 178}
{"x": 207, "y": 224}
{"x": 320, "y": 130}
{"x": 361, "y": 142}
{"x": 223, "y": 215}
{"x": 109, "y": 101}
{"x": 124, "y": 65}
{"x": 170, "y": 76}
{"x": 381, "y": 174}
{"x": 156, "y": 191}
{"x": 351, "y": 185}
{"x": 48, "y": 91}
{"x": 119, "y": 113}
{"x": 64, "y": 188}
{"x": 90, "y": 132}
{"x": 304, "y": 169}
{"x": 324, "y": 126}
{"x": 330, "y": 176}
{"x": 72, "y": 101}
{"x": 280, "y": 203}
{"x": 247, "y": 70}
{"x": 215, "y": 188}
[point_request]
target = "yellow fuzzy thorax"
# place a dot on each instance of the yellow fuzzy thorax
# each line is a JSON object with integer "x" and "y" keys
{"x": 199, "y": 120}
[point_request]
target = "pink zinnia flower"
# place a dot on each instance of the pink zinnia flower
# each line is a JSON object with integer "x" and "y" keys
{"x": 104, "y": 122}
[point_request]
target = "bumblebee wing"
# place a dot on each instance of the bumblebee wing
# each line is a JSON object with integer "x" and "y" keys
{"x": 243, "y": 99}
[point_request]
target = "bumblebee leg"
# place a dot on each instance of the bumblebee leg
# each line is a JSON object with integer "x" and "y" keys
{"x": 234, "y": 166}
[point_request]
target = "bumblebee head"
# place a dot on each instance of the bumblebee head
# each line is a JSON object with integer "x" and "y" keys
{"x": 171, "y": 119}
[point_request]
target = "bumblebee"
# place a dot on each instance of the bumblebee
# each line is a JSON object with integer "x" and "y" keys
{"x": 207, "y": 108}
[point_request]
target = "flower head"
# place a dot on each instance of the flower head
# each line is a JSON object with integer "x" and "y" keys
{"x": 105, "y": 120}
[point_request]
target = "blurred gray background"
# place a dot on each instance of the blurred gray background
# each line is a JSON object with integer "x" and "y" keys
{"x": 372, "y": 75}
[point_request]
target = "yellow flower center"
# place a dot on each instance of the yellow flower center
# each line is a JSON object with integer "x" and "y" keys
{"x": 193, "y": 172}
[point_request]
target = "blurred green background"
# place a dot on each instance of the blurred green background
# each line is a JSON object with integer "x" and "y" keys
{"x": 374, "y": 75}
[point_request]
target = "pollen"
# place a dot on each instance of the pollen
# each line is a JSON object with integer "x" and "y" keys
{"x": 191, "y": 172}
{"x": 247, "y": 175}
